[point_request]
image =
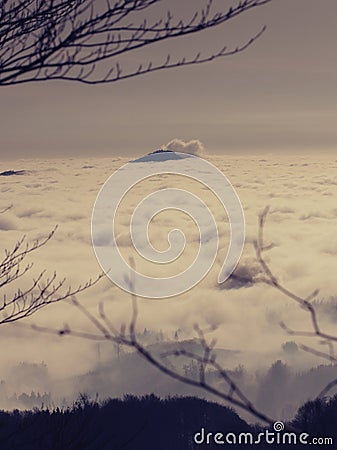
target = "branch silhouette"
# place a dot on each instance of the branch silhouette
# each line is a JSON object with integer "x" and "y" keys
{"x": 126, "y": 335}
{"x": 43, "y": 290}
{"x": 82, "y": 40}
{"x": 316, "y": 331}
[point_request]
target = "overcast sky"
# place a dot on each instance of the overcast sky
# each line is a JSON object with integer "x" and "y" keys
{"x": 277, "y": 96}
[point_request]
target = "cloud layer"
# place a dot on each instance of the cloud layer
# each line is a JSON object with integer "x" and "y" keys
{"x": 244, "y": 316}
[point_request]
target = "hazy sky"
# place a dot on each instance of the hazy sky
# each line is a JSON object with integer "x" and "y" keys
{"x": 279, "y": 95}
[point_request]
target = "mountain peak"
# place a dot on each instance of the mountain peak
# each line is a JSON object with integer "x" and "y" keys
{"x": 161, "y": 155}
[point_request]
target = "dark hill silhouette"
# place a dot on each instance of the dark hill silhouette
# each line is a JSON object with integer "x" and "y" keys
{"x": 148, "y": 423}
{"x": 133, "y": 423}
{"x": 8, "y": 173}
{"x": 161, "y": 155}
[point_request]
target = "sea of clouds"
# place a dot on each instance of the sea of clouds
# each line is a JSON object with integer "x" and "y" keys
{"x": 300, "y": 190}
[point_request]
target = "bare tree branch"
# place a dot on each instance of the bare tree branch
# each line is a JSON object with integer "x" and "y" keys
{"x": 207, "y": 361}
{"x": 304, "y": 302}
{"x": 107, "y": 332}
{"x": 42, "y": 291}
{"x": 72, "y": 40}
